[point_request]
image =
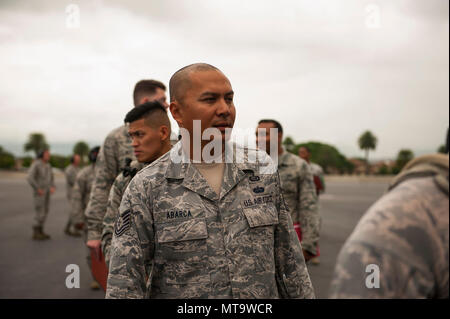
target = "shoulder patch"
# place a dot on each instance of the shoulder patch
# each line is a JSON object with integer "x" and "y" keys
{"x": 122, "y": 223}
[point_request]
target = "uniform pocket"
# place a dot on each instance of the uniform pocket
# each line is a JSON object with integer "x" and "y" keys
{"x": 262, "y": 220}
{"x": 183, "y": 252}
{"x": 181, "y": 231}
{"x": 261, "y": 215}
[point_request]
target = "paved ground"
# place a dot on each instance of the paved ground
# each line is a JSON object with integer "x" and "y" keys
{"x": 30, "y": 269}
{"x": 341, "y": 207}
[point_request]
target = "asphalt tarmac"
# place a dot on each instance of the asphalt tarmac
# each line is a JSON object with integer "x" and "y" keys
{"x": 37, "y": 269}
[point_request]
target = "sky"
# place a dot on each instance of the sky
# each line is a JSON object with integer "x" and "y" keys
{"x": 327, "y": 70}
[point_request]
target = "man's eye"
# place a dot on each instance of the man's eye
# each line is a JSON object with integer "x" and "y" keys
{"x": 209, "y": 99}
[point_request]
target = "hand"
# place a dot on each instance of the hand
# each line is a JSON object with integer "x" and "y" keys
{"x": 40, "y": 192}
{"x": 52, "y": 190}
{"x": 307, "y": 255}
{"x": 95, "y": 245}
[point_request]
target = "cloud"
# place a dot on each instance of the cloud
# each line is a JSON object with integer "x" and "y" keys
{"x": 313, "y": 65}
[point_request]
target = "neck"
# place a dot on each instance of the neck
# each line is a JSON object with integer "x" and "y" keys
{"x": 196, "y": 153}
{"x": 166, "y": 148}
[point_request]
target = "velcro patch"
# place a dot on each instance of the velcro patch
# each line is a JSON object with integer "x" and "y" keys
{"x": 122, "y": 223}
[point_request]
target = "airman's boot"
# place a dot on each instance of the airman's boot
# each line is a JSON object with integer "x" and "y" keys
{"x": 44, "y": 235}
{"x": 37, "y": 234}
{"x": 95, "y": 285}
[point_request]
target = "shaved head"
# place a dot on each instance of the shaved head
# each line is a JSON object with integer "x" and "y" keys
{"x": 180, "y": 80}
{"x": 154, "y": 113}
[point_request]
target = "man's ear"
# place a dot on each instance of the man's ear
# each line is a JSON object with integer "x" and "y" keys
{"x": 164, "y": 133}
{"x": 175, "y": 109}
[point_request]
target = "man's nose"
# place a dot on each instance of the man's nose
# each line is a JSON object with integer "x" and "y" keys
{"x": 223, "y": 109}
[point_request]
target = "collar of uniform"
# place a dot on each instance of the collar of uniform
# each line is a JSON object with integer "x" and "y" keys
{"x": 138, "y": 165}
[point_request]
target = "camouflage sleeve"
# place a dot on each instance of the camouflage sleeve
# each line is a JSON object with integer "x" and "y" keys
{"x": 71, "y": 175}
{"x": 106, "y": 170}
{"x": 308, "y": 212}
{"x": 365, "y": 271}
{"x": 112, "y": 211}
{"x": 291, "y": 273}
{"x": 77, "y": 200}
{"x": 31, "y": 178}
{"x": 132, "y": 246}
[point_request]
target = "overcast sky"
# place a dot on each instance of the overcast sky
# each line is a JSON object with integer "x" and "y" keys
{"x": 327, "y": 70}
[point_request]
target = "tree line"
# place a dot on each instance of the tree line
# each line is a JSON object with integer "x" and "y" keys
{"x": 327, "y": 156}
{"x": 37, "y": 142}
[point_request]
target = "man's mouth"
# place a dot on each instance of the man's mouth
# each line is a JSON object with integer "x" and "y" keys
{"x": 222, "y": 126}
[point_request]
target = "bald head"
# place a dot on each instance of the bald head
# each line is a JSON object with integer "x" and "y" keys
{"x": 180, "y": 80}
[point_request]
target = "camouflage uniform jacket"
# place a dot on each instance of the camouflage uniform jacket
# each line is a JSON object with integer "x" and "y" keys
{"x": 80, "y": 193}
{"x": 71, "y": 172}
{"x": 40, "y": 176}
{"x": 112, "y": 211}
{"x": 110, "y": 161}
{"x": 192, "y": 243}
{"x": 405, "y": 235}
{"x": 299, "y": 192}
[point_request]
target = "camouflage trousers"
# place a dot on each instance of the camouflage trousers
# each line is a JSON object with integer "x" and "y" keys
{"x": 41, "y": 206}
{"x": 69, "y": 220}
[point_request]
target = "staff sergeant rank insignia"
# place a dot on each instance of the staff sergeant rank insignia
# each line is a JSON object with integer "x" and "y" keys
{"x": 122, "y": 223}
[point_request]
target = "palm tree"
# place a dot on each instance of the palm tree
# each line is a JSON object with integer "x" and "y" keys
{"x": 81, "y": 148}
{"x": 36, "y": 142}
{"x": 367, "y": 141}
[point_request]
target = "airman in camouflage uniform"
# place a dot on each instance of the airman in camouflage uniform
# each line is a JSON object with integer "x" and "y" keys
{"x": 41, "y": 179}
{"x": 80, "y": 199}
{"x": 176, "y": 237}
{"x": 317, "y": 171}
{"x": 300, "y": 195}
{"x": 111, "y": 160}
{"x": 404, "y": 236}
{"x": 298, "y": 187}
{"x": 319, "y": 182}
{"x": 150, "y": 131}
{"x": 71, "y": 174}
{"x": 112, "y": 210}
{"x": 80, "y": 194}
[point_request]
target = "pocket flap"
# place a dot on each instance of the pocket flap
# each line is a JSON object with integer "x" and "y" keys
{"x": 187, "y": 230}
{"x": 263, "y": 215}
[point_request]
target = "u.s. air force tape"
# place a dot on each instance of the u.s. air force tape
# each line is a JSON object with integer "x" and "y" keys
{"x": 122, "y": 223}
